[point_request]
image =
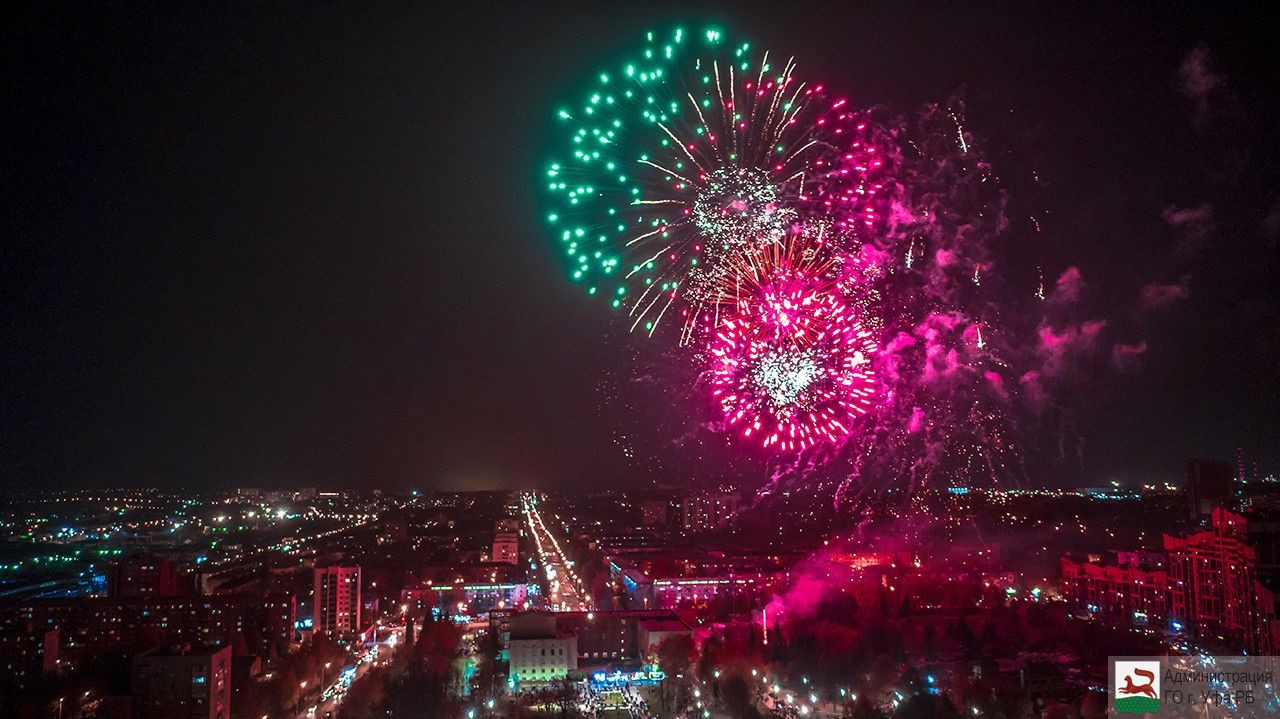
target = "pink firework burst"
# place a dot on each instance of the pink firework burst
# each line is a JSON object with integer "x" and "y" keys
{"x": 793, "y": 368}
{"x": 857, "y": 187}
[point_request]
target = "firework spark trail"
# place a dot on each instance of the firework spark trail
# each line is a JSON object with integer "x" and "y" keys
{"x": 700, "y": 147}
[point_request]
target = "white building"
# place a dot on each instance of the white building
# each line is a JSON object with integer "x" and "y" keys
{"x": 536, "y": 661}
{"x": 506, "y": 548}
{"x": 537, "y": 652}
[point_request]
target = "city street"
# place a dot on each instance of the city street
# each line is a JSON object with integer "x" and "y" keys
{"x": 563, "y": 590}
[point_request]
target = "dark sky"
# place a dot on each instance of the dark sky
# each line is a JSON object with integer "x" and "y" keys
{"x": 299, "y": 243}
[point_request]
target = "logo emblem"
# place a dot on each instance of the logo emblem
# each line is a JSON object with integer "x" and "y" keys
{"x": 1137, "y": 687}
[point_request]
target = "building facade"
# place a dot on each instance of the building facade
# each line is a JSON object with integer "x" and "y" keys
{"x": 539, "y": 651}
{"x": 1209, "y": 485}
{"x": 143, "y": 576}
{"x": 336, "y": 601}
{"x": 1132, "y": 591}
{"x": 506, "y": 548}
{"x": 84, "y": 626}
{"x": 1204, "y": 584}
{"x": 1213, "y": 587}
{"x": 701, "y": 512}
{"x": 600, "y": 639}
{"x": 182, "y": 685}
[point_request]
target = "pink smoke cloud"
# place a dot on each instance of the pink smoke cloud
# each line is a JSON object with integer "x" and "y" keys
{"x": 1030, "y": 383}
{"x": 1195, "y": 222}
{"x": 1069, "y": 287}
{"x": 1060, "y": 350}
{"x": 802, "y": 597}
{"x": 900, "y": 342}
{"x": 1128, "y": 357}
{"x": 941, "y": 359}
{"x": 996, "y": 383}
{"x": 1198, "y": 79}
{"x": 1156, "y": 296}
{"x": 916, "y": 423}
{"x": 1187, "y": 216}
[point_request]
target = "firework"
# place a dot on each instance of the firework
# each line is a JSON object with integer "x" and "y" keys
{"x": 816, "y": 257}
{"x": 792, "y": 367}
{"x": 682, "y": 157}
{"x": 736, "y": 283}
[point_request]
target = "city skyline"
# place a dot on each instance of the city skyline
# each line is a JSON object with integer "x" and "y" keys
{"x": 649, "y": 603}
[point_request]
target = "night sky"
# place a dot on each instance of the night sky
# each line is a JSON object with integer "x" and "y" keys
{"x": 301, "y": 243}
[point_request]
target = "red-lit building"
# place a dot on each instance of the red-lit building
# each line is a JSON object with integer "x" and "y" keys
{"x": 739, "y": 592}
{"x": 1132, "y": 589}
{"x": 679, "y": 578}
{"x": 336, "y": 601}
{"x": 1204, "y": 583}
{"x": 26, "y": 655}
{"x": 1213, "y": 589}
{"x": 188, "y": 684}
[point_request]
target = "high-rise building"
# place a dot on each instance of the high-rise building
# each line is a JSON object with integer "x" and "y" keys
{"x": 1264, "y": 537}
{"x": 654, "y": 512}
{"x": 336, "y": 598}
{"x": 506, "y": 548}
{"x": 85, "y": 625}
{"x": 143, "y": 576}
{"x": 26, "y": 654}
{"x": 709, "y": 511}
{"x": 1209, "y": 485}
{"x": 170, "y": 683}
{"x": 1213, "y": 589}
{"x": 1132, "y": 590}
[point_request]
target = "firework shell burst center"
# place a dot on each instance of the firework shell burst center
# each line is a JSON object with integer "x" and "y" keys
{"x": 793, "y": 368}
{"x": 740, "y": 206}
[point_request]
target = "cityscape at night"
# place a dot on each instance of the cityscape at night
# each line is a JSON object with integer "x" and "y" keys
{"x": 639, "y": 361}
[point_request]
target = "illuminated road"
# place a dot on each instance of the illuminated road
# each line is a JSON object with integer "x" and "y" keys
{"x": 562, "y": 581}
{"x": 331, "y": 699}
